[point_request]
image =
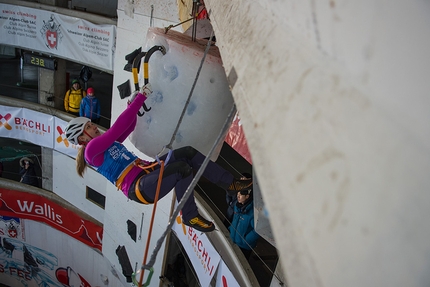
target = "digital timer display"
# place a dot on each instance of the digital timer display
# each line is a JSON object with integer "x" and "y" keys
{"x": 39, "y": 61}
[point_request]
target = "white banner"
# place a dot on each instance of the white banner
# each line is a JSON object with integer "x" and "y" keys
{"x": 59, "y": 35}
{"x": 61, "y": 143}
{"x": 49, "y": 257}
{"x": 38, "y": 128}
{"x": 225, "y": 277}
{"x": 28, "y": 125}
{"x": 201, "y": 252}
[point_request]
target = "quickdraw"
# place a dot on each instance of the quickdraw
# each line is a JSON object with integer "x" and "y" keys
{"x": 148, "y": 280}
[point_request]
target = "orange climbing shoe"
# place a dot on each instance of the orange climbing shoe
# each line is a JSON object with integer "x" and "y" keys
{"x": 239, "y": 185}
{"x": 200, "y": 224}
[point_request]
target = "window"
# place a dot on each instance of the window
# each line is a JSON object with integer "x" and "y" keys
{"x": 95, "y": 197}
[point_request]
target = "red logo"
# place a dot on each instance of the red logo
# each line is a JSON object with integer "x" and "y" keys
{"x": 69, "y": 277}
{"x": 5, "y": 123}
{"x": 52, "y": 32}
{"x": 62, "y": 137}
{"x": 12, "y": 233}
{"x": 51, "y": 38}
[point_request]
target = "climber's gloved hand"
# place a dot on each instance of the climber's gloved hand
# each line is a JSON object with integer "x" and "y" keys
{"x": 132, "y": 96}
{"x": 146, "y": 90}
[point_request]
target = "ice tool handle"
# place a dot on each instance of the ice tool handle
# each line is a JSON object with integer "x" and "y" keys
{"x": 146, "y": 72}
{"x": 135, "y": 69}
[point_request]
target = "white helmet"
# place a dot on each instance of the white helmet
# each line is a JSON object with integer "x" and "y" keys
{"x": 75, "y": 128}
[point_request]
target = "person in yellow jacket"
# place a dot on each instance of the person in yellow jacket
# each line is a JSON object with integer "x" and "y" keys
{"x": 73, "y": 98}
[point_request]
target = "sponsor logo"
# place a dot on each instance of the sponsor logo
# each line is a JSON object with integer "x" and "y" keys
{"x": 4, "y": 121}
{"x": 62, "y": 137}
{"x": 201, "y": 252}
{"x": 45, "y": 210}
{"x": 11, "y": 227}
{"x": 51, "y": 33}
{"x": 12, "y": 231}
{"x": 70, "y": 277}
{"x": 31, "y": 126}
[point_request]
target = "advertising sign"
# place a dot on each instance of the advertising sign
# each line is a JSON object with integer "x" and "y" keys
{"x": 224, "y": 277}
{"x": 28, "y": 125}
{"x": 31, "y": 206}
{"x": 38, "y": 128}
{"x": 200, "y": 251}
{"x": 25, "y": 265}
{"x": 48, "y": 257}
{"x": 56, "y": 34}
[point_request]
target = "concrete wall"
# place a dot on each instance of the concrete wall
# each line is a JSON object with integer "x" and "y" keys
{"x": 48, "y": 241}
{"x": 133, "y": 22}
{"x": 333, "y": 97}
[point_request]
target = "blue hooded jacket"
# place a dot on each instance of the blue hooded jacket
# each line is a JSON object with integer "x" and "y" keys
{"x": 242, "y": 226}
{"x": 90, "y": 108}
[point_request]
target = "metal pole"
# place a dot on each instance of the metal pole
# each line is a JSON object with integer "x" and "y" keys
{"x": 194, "y": 14}
{"x": 21, "y": 66}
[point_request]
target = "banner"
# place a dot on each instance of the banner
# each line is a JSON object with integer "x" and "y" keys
{"x": 59, "y": 35}
{"x": 35, "y": 127}
{"x": 225, "y": 277}
{"x": 200, "y": 251}
{"x": 61, "y": 144}
{"x": 22, "y": 264}
{"x": 27, "y": 125}
{"x": 236, "y": 139}
{"x": 50, "y": 259}
{"x": 35, "y": 207}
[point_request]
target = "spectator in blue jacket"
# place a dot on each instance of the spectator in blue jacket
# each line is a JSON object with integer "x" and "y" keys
{"x": 242, "y": 226}
{"x": 231, "y": 200}
{"x": 90, "y": 107}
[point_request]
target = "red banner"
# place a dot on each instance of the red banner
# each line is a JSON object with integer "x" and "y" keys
{"x": 236, "y": 139}
{"x": 25, "y": 205}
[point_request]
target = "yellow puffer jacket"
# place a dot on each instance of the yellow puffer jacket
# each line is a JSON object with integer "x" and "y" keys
{"x": 72, "y": 100}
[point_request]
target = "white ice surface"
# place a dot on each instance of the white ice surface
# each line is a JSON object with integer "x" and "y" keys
{"x": 172, "y": 76}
